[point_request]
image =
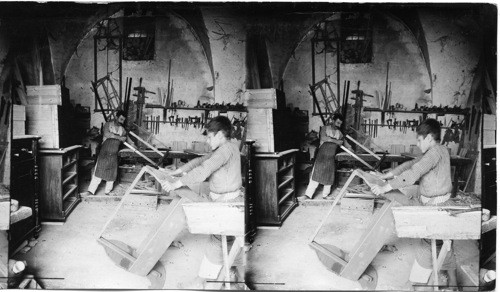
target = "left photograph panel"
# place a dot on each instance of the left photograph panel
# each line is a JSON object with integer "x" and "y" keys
{"x": 5, "y": 173}
{"x": 125, "y": 165}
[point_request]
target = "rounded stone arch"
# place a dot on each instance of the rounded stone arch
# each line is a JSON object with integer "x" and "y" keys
{"x": 393, "y": 41}
{"x": 191, "y": 69}
{"x": 193, "y": 20}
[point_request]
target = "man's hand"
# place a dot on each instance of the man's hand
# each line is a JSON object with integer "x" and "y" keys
{"x": 383, "y": 176}
{"x": 379, "y": 190}
{"x": 171, "y": 172}
{"x": 167, "y": 186}
{"x": 166, "y": 170}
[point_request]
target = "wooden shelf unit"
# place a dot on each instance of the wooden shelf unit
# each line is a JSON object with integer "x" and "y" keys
{"x": 275, "y": 193}
{"x": 25, "y": 188}
{"x": 59, "y": 182}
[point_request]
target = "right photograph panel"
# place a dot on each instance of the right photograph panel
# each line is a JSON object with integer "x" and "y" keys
{"x": 374, "y": 148}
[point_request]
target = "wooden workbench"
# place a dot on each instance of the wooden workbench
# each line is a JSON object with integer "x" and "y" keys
{"x": 344, "y": 156}
{"x": 127, "y": 153}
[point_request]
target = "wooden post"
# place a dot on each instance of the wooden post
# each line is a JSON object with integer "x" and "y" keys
{"x": 226, "y": 261}
{"x": 434, "y": 264}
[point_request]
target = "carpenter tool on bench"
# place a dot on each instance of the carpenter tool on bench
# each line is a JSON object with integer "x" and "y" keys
{"x": 471, "y": 208}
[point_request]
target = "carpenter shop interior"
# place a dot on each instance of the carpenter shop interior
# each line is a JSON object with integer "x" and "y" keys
{"x": 248, "y": 146}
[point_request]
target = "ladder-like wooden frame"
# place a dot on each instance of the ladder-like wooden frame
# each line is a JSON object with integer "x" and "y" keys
{"x": 142, "y": 260}
{"x": 352, "y": 265}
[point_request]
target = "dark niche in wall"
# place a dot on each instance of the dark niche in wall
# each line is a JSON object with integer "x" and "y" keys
{"x": 356, "y": 38}
{"x": 139, "y": 38}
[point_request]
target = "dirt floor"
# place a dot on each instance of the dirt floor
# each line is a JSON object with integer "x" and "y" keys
{"x": 68, "y": 256}
{"x": 281, "y": 259}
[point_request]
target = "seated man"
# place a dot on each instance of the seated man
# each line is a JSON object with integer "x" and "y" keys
{"x": 223, "y": 169}
{"x": 433, "y": 171}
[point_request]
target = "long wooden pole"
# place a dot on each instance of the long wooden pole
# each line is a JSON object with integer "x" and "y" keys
{"x": 140, "y": 154}
{"x": 147, "y": 144}
{"x": 362, "y": 146}
{"x": 356, "y": 156}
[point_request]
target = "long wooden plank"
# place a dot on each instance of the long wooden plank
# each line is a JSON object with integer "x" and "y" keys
{"x": 419, "y": 222}
{"x": 355, "y": 156}
{"x": 160, "y": 237}
{"x": 363, "y": 147}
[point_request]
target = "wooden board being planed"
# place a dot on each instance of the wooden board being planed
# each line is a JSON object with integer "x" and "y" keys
{"x": 436, "y": 222}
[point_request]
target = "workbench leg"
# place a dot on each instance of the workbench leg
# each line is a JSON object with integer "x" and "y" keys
{"x": 226, "y": 261}
{"x": 434, "y": 264}
{"x": 437, "y": 264}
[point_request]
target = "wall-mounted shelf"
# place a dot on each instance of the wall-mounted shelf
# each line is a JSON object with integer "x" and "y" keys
{"x": 402, "y": 126}
{"x": 195, "y": 108}
{"x": 451, "y": 112}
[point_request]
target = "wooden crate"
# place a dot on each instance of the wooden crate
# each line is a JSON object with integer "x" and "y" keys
{"x": 44, "y": 94}
{"x": 260, "y": 98}
{"x": 18, "y": 112}
{"x": 18, "y": 128}
{"x": 43, "y": 121}
{"x": 4, "y": 214}
{"x": 435, "y": 222}
{"x": 260, "y": 129}
{"x": 215, "y": 218}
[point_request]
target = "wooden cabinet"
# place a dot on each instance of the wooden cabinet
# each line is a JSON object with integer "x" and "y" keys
{"x": 24, "y": 188}
{"x": 275, "y": 189}
{"x": 59, "y": 182}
